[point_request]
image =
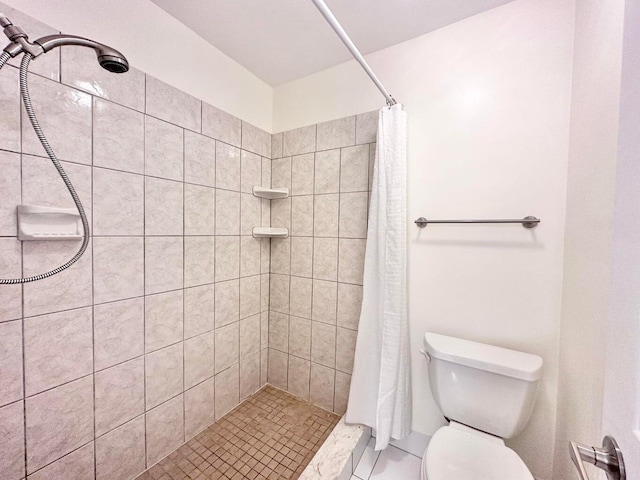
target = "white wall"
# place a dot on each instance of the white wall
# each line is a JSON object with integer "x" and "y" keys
{"x": 160, "y": 45}
{"x": 588, "y": 230}
{"x": 488, "y": 101}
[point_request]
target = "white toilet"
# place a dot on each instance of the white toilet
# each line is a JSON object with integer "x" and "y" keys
{"x": 487, "y": 393}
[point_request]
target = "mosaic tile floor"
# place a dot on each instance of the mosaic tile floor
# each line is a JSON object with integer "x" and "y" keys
{"x": 271, "y": 435}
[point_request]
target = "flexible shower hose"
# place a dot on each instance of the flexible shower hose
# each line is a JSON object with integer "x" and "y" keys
{"x": 26, "y": 99}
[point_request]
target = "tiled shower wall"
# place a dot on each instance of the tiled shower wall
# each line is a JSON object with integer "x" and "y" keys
{"x": 161, "y": 327}
{"x": 316, "y": 273}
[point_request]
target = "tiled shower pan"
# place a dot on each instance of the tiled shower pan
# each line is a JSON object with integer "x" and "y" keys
{"x": 271, "y": 435}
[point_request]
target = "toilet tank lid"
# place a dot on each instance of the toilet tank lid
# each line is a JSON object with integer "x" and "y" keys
{"x": 490, "y": 358}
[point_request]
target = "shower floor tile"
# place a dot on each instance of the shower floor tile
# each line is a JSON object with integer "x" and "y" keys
{"x": 271, "y": 435}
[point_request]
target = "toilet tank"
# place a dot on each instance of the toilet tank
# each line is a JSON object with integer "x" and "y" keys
{"x": 485, "y": 387}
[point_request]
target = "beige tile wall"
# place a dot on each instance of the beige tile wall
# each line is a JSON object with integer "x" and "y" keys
{"x": 161, "y": 327}
{"x": 316, "y": 273}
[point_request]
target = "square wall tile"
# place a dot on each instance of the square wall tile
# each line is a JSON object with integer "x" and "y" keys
{"x": 300, "y": 337}
{"x": 65, "y": 114}
{"x": 281, "y": 255}
{"x": 58, "y": 421}
{"x": 354, "y": 214}
{"x": 279, "y": 296}
{"x": 221, "y": 125}
{"x": 163, "y": 148}
{"x": 12, "y": 451}
{"x": 198, "y": 310}
{"x": 251, "y": 171}
{"x": 11, "y": 361}
{"x": 279, "y": 331}
{"x": 264, "y": 292}
{"x": 120, "y": 453}
{"x": 249, "y": 256}
{"x": 227, "y": 212}
{"x": 281, "y": 173}
{"x": 41, "y": 184}
{"x": 80, "y": 70}
{"x": 301, "y": 256}
{"x": 302, "y": 216}
{"x": 77, "y": 464}
{"x": 173, "y": 105}
{"x": 66, "y": 290}
{"x": 118, "y": 332}
{"x": 227, "y": 167}
{"x": 119, "y": 395}
{"x": 199, "y": 159}
{"x": 58, "y": 348}
{"x": 227, "y": 260}
{"x": 198, "y": 359}
{"x": 300, "y": 302}
{"x": 227, "y": 346}
{"x": 163, "y": 319}
{"x": 345, "y": 349}
{"x": 249, "y": 336}
{"x": 163, "y": 207}
{"x": 351, "y": 260}
{"x": 278, "y": 369}
{"x": 302, "y": 173}
{"x": 227, "y": 385}
{"x": 327, "y": 171}
{"x": 325, "y": 258}
{"x": 298, "y": 141}
{"x": 163, "y": 264}
{"x": 256, "y": 140}
{"x": 198, "y": 260}
{"x": 11, "y": 266}
{"x": 341, "y": 395}
{"x": 323, "y": 344}
{"x": 322, "y": 386}
{"x": 118, "y": 137}
{"x": 10, "y": 128}
{"x": 265, "y": 255}
{"x": 249, "y": 375}
{"x": 227, "y": 302}
{"x": 325, "y": 298}
{"x": 249, "y": 296}
{"x": 266, "y": 172}
{"x": 349, "y": 305}
{"x": 250, "y": 213}
{"x": 163, "y": 375}
{"x": 118, "y": 268}
{"x": 354, "y": 169}
{"x": 165, "y": 429}
{"x": 276, "y": 145}
{"x": 118, "y": 203}
{"x": 281, "y": 213}
{"x": 298, "y": 381}
{"x": 10, "y": 172}
{"x": 367, "y": 127}
{"x": 337, "y": 133}
{"x": 326, "y": 215}
{"x": 199, "y": 407}
{"x": 199, "y": 203}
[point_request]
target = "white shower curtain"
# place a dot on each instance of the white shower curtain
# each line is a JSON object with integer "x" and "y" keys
{"x": 380, "y": 394}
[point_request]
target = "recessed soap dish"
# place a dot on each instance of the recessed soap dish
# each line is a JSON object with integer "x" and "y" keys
{"x": 270, "y": 193}
{"x": 272, "y": 232}
{"x": 36, "y": 222}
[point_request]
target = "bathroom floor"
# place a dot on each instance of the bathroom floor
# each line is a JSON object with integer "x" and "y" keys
{"x": 389, "y": 464}
{"x": 271, "y": 435}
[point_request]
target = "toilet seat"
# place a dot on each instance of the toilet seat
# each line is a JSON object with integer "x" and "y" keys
{"x": 461, "y": 453}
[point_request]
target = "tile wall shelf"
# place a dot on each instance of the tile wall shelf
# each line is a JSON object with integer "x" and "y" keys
{"x": 272, "y": 232}
{"x": 270, "y": 193}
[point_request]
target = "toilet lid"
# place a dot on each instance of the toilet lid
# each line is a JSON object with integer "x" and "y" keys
{"x": 461, "y": 455}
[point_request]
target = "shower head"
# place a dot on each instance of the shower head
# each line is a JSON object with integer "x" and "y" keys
{"x": 109, "y": 58}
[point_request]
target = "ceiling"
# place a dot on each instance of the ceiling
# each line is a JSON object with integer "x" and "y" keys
{"x": 281, "y": 40}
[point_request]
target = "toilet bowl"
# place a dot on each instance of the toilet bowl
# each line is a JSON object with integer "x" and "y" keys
{"x": 487, "y": 393}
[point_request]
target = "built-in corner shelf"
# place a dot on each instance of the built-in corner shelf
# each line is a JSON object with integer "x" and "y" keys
{"x": 270, "y": 232}
{"x": 270, "y": 193}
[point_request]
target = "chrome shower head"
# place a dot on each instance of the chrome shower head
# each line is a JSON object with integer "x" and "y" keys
{"x": 109, "y": 58}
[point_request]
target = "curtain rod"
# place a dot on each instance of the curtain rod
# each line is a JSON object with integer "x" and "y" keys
{"x": 335, "y": 24}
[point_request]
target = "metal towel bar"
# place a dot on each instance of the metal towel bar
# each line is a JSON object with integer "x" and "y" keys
{"x": 527, "y": 222}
